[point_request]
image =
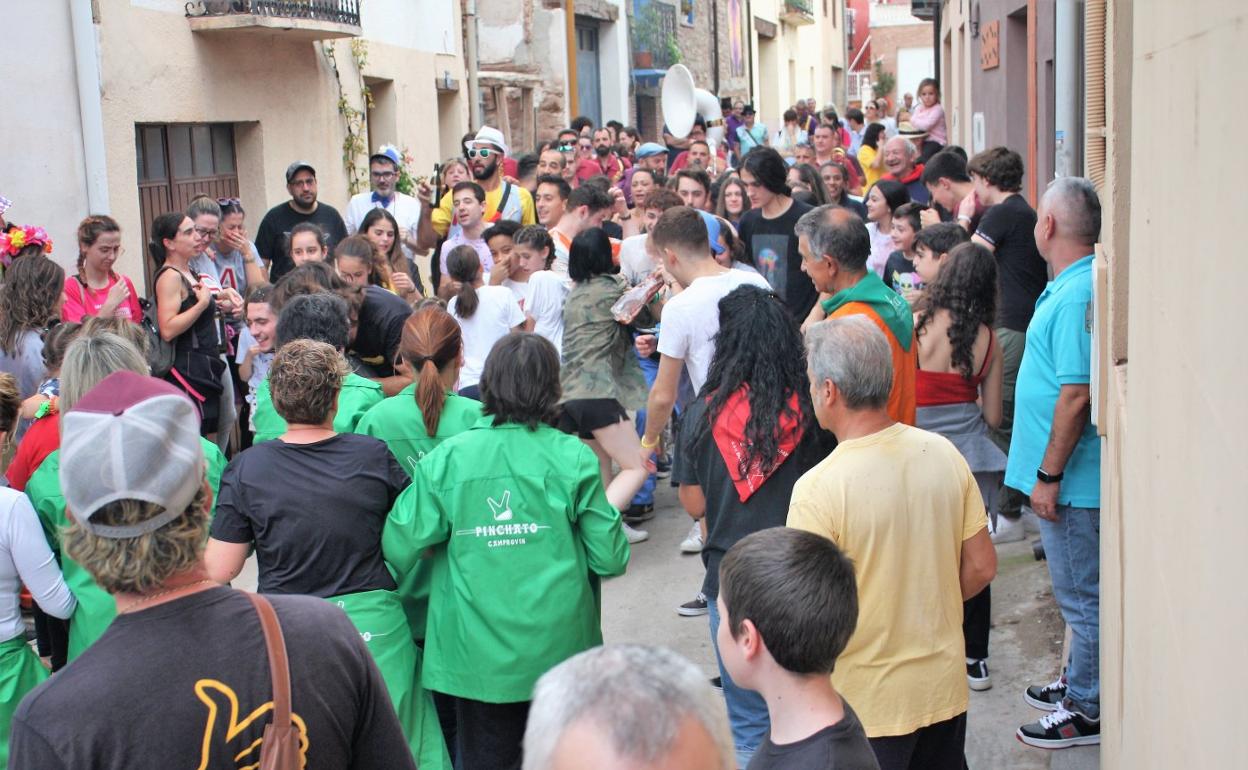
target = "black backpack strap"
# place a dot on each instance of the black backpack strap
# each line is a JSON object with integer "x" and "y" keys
{"x": 502, "y": 201}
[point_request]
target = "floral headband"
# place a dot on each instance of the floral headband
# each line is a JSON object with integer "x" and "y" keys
{"x": 12, "y": 242}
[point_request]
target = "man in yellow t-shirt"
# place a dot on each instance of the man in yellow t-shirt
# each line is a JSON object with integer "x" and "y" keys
{"x": 503, "y": 199}
{"x": 903, "y": 505}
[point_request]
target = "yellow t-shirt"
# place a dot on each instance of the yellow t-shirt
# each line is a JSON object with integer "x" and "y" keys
{"x": 866, "y": 156}
{"x": 899, "y": 503}
{"x": 519, "y": 207}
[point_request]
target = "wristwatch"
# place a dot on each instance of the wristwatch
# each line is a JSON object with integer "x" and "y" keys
{"x": 1049, "y": 478}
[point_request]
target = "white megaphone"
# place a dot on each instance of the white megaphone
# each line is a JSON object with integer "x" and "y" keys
{"x": 682, "y": 103}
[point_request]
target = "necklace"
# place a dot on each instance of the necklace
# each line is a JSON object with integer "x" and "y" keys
{"x": 140, "y": 602}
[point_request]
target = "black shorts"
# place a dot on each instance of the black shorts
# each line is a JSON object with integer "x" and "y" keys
{"x": 583, "y": 416}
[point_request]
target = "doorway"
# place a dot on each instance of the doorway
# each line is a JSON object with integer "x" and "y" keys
{"x": 588, "y": 74}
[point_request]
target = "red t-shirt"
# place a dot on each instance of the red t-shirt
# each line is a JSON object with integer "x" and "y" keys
{"x": 42, "y": 438}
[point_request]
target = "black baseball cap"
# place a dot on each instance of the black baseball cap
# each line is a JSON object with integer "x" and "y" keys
{"x": 296, "y": 167}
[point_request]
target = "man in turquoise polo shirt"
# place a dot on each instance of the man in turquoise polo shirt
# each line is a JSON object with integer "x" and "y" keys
{"x": 1055, "y": 457}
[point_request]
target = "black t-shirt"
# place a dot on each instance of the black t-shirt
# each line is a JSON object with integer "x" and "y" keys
{"x": 727, "y": 518}
{"x": 315, "y": 512}
{"x": 897, "y": 263}
{"x": 380, "y": 330}
{"x": 1021, "y": 273}
{"x": 163, "y": 686}
{"x": 842, "y": 746}
{"x": 774, "y": 246}
{"x": 273, "y": 236}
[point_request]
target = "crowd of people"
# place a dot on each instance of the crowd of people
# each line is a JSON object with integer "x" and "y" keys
{"x": 861, "y": 357}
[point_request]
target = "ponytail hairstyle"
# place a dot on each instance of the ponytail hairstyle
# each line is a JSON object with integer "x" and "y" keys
{"x": 361, "y": 248}
{"x": 164, "y": 228}
{"x": 537, "y": 238}
{"x": 89, "y": 231}
{"x": 463, "y": 265}
{"x": 431, "y": 342}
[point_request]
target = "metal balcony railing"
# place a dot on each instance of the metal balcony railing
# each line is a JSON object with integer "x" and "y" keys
{"x": 799, "y": 6}
{"x": 335, "y": 11}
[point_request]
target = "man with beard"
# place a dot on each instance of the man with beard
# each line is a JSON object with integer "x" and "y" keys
{"x": 384, "y": 167}
{"x": 604, "y": 163}
{"x": 274, "y": 232}
{"x": 503, "y": 200}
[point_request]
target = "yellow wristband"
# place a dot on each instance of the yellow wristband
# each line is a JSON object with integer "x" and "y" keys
{"x": 644, "y": 445}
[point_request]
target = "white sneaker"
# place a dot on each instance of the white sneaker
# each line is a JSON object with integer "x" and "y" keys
{"x": 692, "y": 543}
{"x": 1007, "y": 530}
{"x": 634, "y": 535}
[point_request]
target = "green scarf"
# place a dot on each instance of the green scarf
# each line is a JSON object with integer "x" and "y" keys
{"x": 890, "y": 306}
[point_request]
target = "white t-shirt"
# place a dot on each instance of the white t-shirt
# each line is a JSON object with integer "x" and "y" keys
{"x": 635, "y": 263}
{"x": 259, "y": 369}
{"x": 496, "y": 315}
{"x": 521, "y": 289}
{"x": 691, "y": 320}
{"x": 405, "y": 208}
{"x": 547, "y": 293}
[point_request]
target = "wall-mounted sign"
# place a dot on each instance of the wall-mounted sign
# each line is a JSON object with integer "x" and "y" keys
{"x": 990, "y": 45}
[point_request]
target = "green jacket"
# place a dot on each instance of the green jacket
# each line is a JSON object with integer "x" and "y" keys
{"x": 398, "y": 422}
{"x": 359, "y": 394}
{"x": 96, "y": 608}
{"x": 521, "y": 531}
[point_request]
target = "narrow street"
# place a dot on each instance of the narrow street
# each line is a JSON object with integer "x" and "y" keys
{"x": 1026, "y": 642}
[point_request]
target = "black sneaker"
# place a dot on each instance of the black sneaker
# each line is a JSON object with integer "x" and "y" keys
{"x": 663, "y": 466}
{"x": 1047, "y": 697}
{"x": 694, "y": 607}
{"x": 637, "y": 513}
{"x": 1061, "y": 729}
{"x": 717, "y": 684}
{"x": 977, "y": 676}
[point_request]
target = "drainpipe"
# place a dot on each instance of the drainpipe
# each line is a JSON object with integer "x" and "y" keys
{"x": 1068, "y": 65}
{"x": 574, "y": 106}
{"x": 470, "y": 56}
{"x": 90, "y": 112}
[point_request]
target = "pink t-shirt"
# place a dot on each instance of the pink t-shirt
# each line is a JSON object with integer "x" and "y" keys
{"x": 932, "y": 120}
{"x": 82, "y": 300}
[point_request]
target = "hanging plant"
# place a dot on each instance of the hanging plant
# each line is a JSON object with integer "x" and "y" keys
{"x": 355, "y": 141}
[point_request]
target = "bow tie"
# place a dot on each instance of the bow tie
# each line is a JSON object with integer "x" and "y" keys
{"x": 383, "y": 201}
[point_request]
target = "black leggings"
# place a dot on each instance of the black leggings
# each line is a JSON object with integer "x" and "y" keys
{"x": 976, "y": 620}
{"x": 488, "y": 736}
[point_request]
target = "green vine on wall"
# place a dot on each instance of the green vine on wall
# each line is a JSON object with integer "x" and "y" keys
{"x": 355, "y": 143}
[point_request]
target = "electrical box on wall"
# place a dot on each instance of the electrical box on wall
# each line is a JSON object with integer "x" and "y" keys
{"x": 978, "y": 133}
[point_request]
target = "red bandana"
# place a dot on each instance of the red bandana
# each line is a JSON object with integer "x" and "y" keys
{"x": 729, "y": 434}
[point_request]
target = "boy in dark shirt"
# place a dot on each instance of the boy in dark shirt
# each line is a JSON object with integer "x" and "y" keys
{"x": 789, "y": 604}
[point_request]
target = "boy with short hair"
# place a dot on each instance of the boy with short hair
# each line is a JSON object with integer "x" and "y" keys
{"x": 932, "y": 245}
{"x": 789, "y": 604}
{"x": 255, "y": 345}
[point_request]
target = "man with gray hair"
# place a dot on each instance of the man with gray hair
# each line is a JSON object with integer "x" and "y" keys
{"x": 901, "y": 161}
{"x": 903, "y": 505}
{"x": 1055, "y": 457}
{"x": 834, "y": 245}
{"x": 627, "y": 707}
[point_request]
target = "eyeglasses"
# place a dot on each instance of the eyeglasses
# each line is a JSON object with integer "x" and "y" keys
{"x": 483, "y": 152}
{"x": 390, "y": 174}
{"x": 566, "y": 147}
{"x": 206, "y": 232}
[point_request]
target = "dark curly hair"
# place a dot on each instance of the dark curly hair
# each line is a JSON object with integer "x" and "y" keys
{"x": 966, "y": 287}
{"x": 758, "y": 347}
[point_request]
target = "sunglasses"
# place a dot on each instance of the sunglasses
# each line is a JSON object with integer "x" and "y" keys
{"x": 229, "y": 202}
{"x": 566, "y": 147}
{"x": 483, "y": 152}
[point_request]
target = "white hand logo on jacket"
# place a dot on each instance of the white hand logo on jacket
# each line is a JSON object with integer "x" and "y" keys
{"x": 501, "y": 509}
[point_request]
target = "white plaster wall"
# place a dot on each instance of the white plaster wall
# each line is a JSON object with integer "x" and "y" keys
{"x": 614, "y": 60}
{"x": 41, "y": 167}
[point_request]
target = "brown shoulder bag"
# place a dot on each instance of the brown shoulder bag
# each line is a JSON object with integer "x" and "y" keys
{"x": 279, "y": 748}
